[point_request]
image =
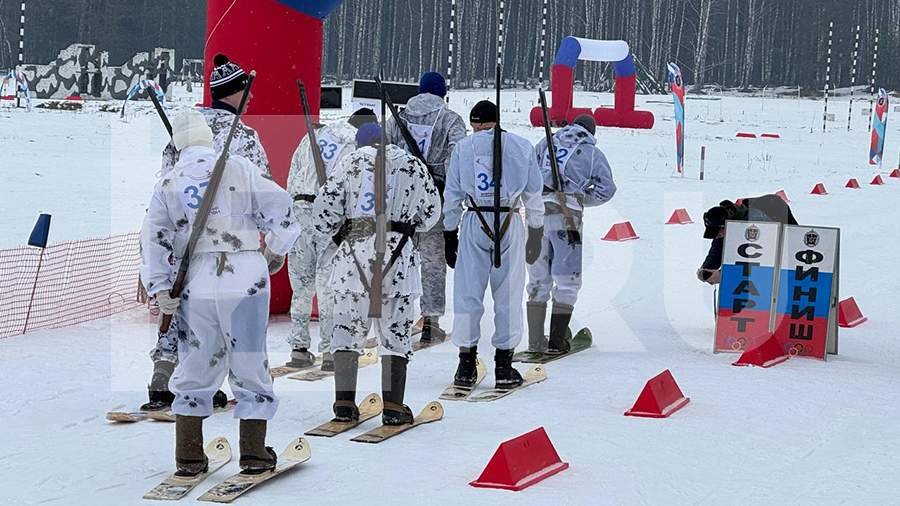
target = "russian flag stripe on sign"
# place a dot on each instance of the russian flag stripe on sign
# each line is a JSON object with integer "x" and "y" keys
{"x": 748, "y": 280}
{"x": 806, "y": 288}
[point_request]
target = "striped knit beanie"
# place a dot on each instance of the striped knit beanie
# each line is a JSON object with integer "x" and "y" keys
{"x": 227, "y": 78}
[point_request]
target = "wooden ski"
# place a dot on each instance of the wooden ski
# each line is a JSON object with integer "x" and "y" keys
{"x": 173, "y": 488}
{"x": 430, "y": 413}
{"x": 295, "y": 454}
{"x": 167, "y": 416}
{"x": 369, "y": 408}
{"x": 284, "y": 370}
{"x": 582, "y": 341}
{"x": 537, "y": 374}
{"x": 127, "y": 416}
{"x": 369, "y": 358}
{"x": 458, "y": 393}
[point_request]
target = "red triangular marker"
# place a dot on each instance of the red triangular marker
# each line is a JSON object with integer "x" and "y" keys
{"x": 767, "y": 354}
{"x": 621, "y": 232}
{"x": 521, "y": 462}
{"x": 849, "y": 315}
{"x": 660, "y": 398}
{"x": 680, "y": 217}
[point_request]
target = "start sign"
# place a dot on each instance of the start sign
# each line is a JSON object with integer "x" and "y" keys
{"x": 806, "y": 312}
{"x": 746, "y": 294}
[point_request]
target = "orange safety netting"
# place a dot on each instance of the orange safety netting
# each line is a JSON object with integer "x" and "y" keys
{"x": 68, "y": 283}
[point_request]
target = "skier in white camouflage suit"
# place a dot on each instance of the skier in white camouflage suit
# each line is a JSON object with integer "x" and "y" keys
{"x": 225, "y": 300}
{"x": 344, "y": 210}
{"x": 437, "y": 129}
{"x": 469, "y": 199}
{"x": 309, "y": 262}
{"x": 227, "y": 82}
{"x": 587, "y": 182}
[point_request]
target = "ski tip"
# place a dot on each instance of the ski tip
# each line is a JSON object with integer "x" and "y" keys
{"x": 372, "y": 400}
{"x": 537, "y": 372}
{"x": 218, "y": 449}
{"x": 434, "y": 410}
{"x": 298, "y": 449}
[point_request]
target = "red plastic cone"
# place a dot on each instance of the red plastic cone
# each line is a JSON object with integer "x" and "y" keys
{"x": 521, "y": 462}
{"x": 783, "y": 196}
{"x": 745, "y": 135}
{"x": 852, "y": 183}
{"x": 819, "y": 189}
{"x": 660, "y": 398}
{"x": 621, "y": 232}
{"x": 895, "y": 173}
{"x": 877, "y": 181}
{"x": 767, "y": 354}
{"x": 680, "y": 217}
{"x": 849, "y": 315}
{"x": 314, "y": 314}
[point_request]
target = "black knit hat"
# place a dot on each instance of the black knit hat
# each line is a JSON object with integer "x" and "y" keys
{"x": 227, "y": 78}
{"x": 587, "y": 122}
{"x": 363, "y": 116}
{"x": 484, "y": 112}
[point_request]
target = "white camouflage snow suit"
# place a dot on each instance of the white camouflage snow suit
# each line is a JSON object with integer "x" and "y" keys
{"x": 246, "y": 143}
{"x": 471, "y": 175}
{"x": 225, "y": 302}
{"x": 345, "y": 204}
{"x": 587, "y": 182}
{"x": 437, "y": 130}
{"x": 310, "y": 260}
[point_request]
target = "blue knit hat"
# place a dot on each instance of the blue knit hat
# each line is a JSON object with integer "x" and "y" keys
{"x": 368, "y": 135}
{"x": 433, "y": 83}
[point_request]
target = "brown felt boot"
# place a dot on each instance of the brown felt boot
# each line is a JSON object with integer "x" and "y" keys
{"x": 256, "y": 457}
{"x": 189, "y": 457}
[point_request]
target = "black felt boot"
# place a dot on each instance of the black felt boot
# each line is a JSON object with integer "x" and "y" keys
{"x": 393, "y": 389}
{"x": 537, "y": 315}
{"x": 506, "y": 377}
{"x": 467, "y": 372}
{"x": 560, "y": 334}
{"x": 346, "y": 370}
{"x": 190, "y": 460}
{"x": 160, "y": 398}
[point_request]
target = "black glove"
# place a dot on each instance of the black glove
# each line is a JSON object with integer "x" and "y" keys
{"x": 573, "y": 236}
{"x": 451, "y": 246}
{"x": 533, "y": 246}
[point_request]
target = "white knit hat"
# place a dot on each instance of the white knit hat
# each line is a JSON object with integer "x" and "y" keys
{"x": 190, "y": 129}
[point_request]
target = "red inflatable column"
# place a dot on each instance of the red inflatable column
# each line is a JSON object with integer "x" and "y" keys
{"x": 282, "y": 41}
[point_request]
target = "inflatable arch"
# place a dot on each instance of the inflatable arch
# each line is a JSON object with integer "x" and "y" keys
{"x": 282, "y": 41}
{"x": 573, "y": 49}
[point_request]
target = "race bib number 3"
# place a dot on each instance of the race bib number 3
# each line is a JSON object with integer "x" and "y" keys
{"x": 484, "y": 176}
{"x": 330, "y": 148}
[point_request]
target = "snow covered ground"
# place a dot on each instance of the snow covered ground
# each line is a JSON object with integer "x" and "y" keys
{"x": 805, "y": 432}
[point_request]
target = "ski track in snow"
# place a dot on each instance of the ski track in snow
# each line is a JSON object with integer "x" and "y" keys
{"x": 804, "y": 432}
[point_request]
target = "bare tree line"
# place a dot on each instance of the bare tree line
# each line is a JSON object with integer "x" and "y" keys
{"x": 732, "y": 43}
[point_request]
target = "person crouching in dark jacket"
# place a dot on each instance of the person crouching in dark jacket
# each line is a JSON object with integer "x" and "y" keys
{"x": 771, "y": 208}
